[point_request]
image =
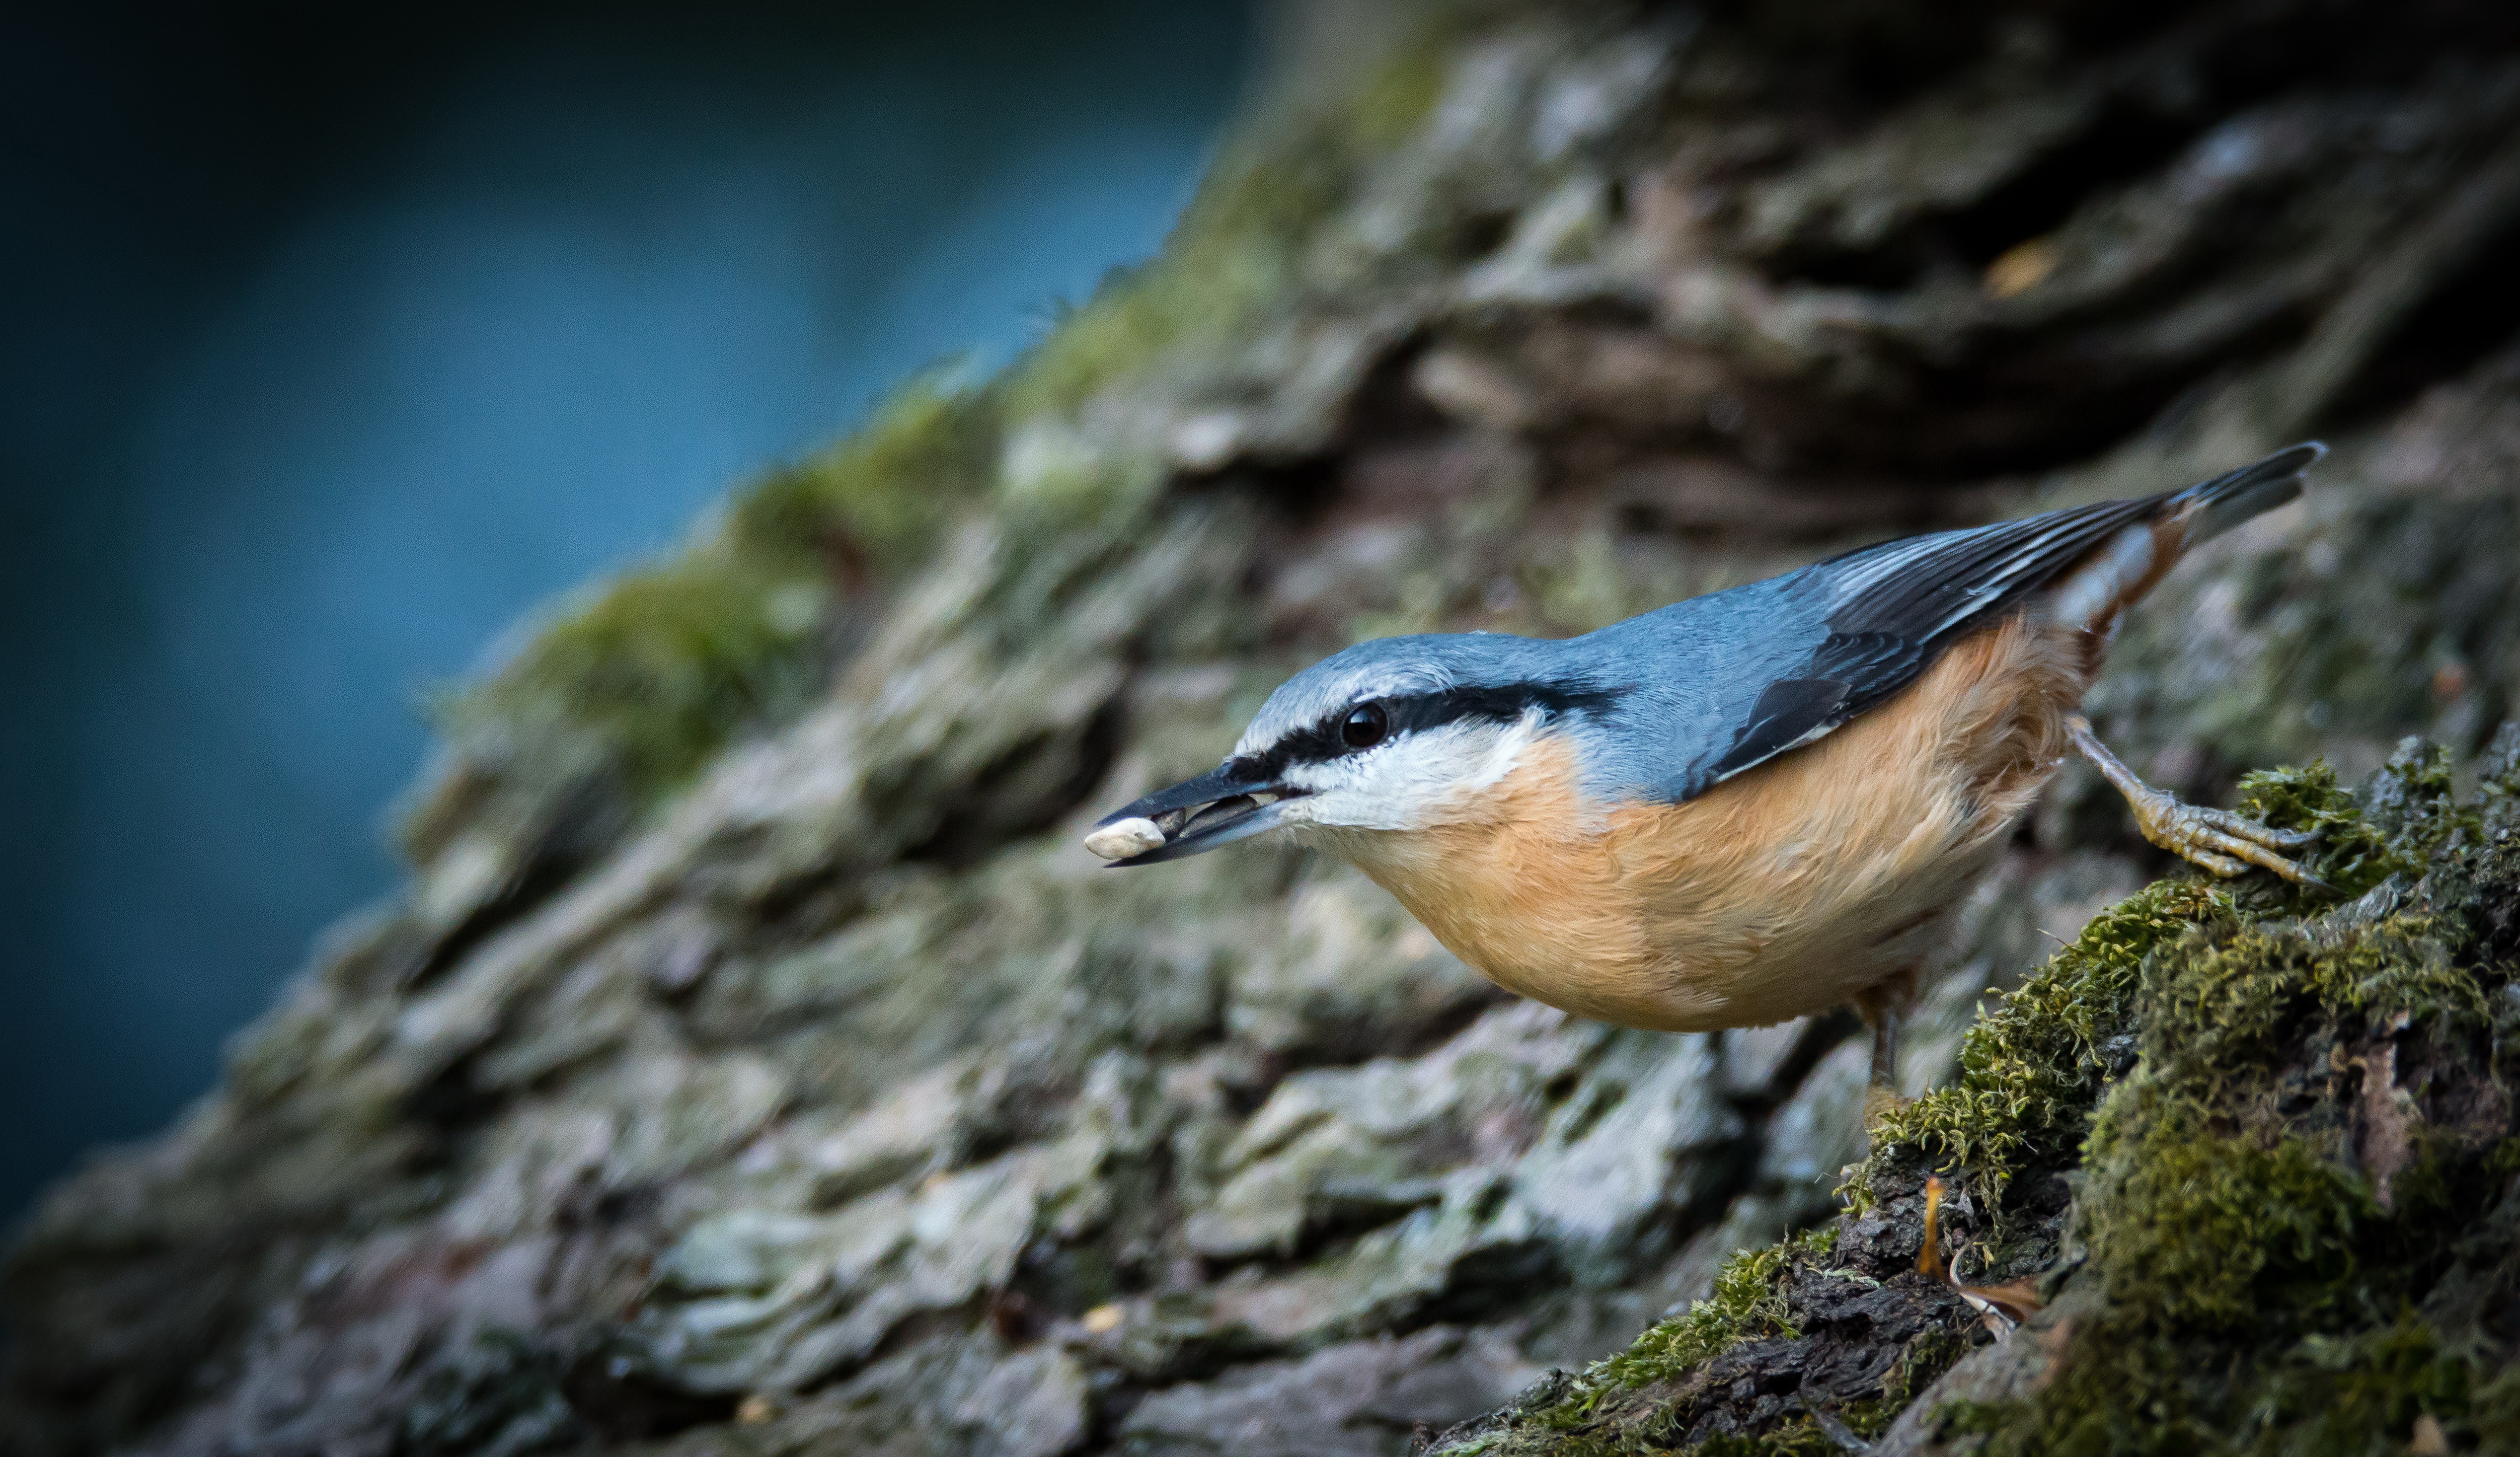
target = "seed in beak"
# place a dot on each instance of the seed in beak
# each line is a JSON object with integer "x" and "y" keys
{"x": 1118, "y": 842}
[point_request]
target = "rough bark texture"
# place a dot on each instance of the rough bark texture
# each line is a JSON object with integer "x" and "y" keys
{"x": 754, "y": 1063}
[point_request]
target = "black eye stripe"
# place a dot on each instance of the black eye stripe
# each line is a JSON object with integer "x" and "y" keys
{"x": 1499, "y": 705}
{"x": 1409, "y": 713}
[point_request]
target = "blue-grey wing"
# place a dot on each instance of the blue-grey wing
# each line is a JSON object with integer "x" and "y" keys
{"x": 1889, "y": 611}
{"x": 1839, "y": 680}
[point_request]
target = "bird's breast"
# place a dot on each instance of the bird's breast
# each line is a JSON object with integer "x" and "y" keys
{"x": 1524, "y": 884}
{"x": 1785, "y": 890}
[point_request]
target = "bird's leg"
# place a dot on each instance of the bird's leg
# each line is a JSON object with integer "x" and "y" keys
{"x": 1885, "y": 1009}
{"x": 1885, "y": 1047}
{"x": 2221, "y": 841}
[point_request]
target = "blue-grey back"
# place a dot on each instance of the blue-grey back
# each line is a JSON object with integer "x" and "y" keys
{"x": 1689, "y": 677}
{"x": 1672, "y": 703}
{"x": 1737, "y": 677}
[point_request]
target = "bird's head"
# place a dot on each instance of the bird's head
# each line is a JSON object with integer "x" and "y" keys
{"x": 1397, "y": 734}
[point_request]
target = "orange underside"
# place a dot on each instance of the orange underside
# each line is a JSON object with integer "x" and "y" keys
{"x": 1817, "y": 879}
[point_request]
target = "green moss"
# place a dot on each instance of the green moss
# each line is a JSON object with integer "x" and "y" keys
{"x": 879, "y": 500}
{"x": 2227, "y": 999}
{"x": 1798, "y": 1438}
{"x": 2258, "y": 1288}
{"x": 2353, "y": 855}
{"x": 2351, "y": 1394}
{"x": 652, "y": 674}
{"x": 644, "y": 681}
{"x": 2198, "y": 1052}
{"x": 1240, "y": 242}
{"x": 656, "y": 671}
{"x": 1747, "y": 1304}
{"x": 2205, "y": 1224}
{"x": 2032, "y": 1065}
{"x": 2324, "y": 1396}
{"x": 2406, "y": 813}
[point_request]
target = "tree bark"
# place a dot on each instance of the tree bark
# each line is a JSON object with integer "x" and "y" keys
{"x": 753, "y": 1063}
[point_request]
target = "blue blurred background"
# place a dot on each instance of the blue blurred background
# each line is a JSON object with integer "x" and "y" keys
{"x": 332, "y": 343}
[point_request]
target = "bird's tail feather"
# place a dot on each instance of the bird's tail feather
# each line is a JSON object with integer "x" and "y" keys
{"x": 2212, "y": 508}
{"x": 2118, "y": 573}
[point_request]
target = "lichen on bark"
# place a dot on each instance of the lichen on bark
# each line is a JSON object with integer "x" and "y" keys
{"x": 753, "y": 1063}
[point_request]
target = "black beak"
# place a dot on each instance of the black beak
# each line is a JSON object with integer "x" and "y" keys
{"x": 1227, "y": 804}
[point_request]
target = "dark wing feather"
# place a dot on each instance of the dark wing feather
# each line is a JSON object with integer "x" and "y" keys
{"x": 1891, "y": 609}
{"x": 1786, "y": 714}
{"x": 1795, "y": 710}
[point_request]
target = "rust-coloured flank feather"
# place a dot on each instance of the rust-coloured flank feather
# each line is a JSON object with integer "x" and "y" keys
{"x": 1807, "y": 882}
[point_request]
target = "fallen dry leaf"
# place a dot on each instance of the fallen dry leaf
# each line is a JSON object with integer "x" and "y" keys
{"x": 2000, "y": 1307}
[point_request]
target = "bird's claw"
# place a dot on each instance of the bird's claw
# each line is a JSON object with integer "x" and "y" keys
{"x": 2218, "y": 840}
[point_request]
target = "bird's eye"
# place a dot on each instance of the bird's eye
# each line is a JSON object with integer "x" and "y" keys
{"x": 1366, "y": 725}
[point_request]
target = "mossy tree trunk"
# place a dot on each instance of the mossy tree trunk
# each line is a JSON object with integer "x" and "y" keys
{"x": 754, "y": 1063}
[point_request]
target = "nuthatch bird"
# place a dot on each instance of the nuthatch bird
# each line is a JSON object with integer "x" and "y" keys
{"x": 1741, "y": 807}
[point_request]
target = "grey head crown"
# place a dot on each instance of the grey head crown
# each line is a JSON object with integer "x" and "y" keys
{"x": 1417, "y": 682}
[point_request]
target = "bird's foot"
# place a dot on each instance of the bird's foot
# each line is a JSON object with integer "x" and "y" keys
{"x": 1881, "y": 1102}
{"x": 2221, "y": 841}
{"x": 2218, "y": 840}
